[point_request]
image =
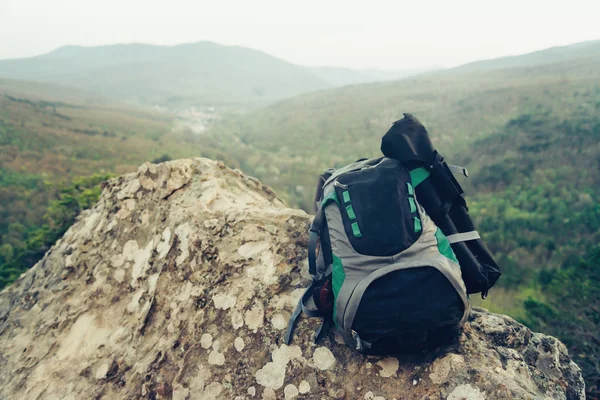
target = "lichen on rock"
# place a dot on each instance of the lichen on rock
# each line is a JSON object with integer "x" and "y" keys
{"x": 177, "y": 285}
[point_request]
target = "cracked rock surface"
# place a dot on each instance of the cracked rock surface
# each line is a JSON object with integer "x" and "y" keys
{"x": 178, "y": 285}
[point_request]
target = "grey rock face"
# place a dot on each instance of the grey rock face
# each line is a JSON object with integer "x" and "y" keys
{"x": 178, "y": 285}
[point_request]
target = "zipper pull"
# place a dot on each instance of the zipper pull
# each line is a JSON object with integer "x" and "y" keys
{"x": 340, "y": 185}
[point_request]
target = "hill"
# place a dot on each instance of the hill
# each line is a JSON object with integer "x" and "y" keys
{"x": 178, "y": 283}
{"x": 288, "y": 143}
{"x": 558, "y": 54}
{"x": 56, "y": 146}
{"x": 535, "y": 194}
{"x": 55, "y": 130}
{"x": 202, "y": 73}
{"x": 341, "y": 76}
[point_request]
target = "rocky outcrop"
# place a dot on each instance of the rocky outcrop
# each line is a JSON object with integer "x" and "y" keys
{"x": 179, "y": 283}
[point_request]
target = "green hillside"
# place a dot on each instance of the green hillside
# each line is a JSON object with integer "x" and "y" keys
{"x": 571, "y": 312}
{"x": 201, "y": 73}
{"x": 288, "y": 143}
{"x": 55, "y": 152}
{"x": 535, "y": 196}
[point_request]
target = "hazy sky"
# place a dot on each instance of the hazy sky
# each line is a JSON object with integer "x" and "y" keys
{"x": 360, "y": 34}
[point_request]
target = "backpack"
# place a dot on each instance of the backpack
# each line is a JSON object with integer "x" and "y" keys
{"x": 384, "y": 273}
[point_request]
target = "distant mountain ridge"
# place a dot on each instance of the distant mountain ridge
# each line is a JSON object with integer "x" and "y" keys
{"x": 300, "y": 136}
{"x": 207, "y": 73}
{"x": 340, "y": 76}
{"x": 550, "y": 55}
{"x": 196, "y": 73}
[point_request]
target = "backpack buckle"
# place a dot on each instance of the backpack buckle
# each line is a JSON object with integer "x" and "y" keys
{"x": 359, "y": 344}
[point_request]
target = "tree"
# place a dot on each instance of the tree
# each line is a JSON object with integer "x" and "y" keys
{"x": 572, "y": 313}
{"x": 80, "y": 194}
{"x": 6, "y": 252}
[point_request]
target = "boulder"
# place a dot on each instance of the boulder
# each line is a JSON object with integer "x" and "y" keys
{"x": 178, "y": 284}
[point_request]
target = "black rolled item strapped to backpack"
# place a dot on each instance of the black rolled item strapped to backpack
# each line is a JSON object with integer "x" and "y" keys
{"x": 385, "y": 266}
{"x": 440, "y": 195}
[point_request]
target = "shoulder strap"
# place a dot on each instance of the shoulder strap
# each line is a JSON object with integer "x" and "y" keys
{"x": 463, "y": 237}
{"x": 313, "y": 239}
{"x": 302, "y": 308}
{"x": 320, "y": 183}
{"x": 317, "y": 276}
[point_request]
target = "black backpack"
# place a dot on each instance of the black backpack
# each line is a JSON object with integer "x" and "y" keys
{"x": 391, "y": 267}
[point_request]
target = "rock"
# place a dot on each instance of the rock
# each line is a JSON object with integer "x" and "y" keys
{"x": 465, "y": 392}
{"x": 389, "y": 366}
{"x": 304, "y": 387}
{"x": 177, "y": 284}
{"x": 206, "y": 341}
{"x": 239, "y": 344}
{"x": 290, "y": 392}
{"x": 323, "y": 358}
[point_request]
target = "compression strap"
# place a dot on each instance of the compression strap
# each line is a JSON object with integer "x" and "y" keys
{"x": 463, "y": 237}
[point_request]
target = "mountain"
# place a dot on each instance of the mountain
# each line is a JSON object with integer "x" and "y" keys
{"x": 589, "y": 49}
{"x": 395, "y": 74}
{"x": 178, "y": 284}
{"x": 209, "y": 74}
{"x": 202, "y": 73}
{"x": 337, "y": 76}
{"x": 346, "y": 76}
